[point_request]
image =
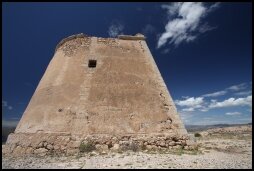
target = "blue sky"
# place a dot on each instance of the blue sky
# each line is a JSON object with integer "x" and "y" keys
{"x": 203, "y": 51}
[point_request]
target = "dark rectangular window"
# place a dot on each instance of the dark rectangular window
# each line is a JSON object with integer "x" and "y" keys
{"x": 92, "y": 63}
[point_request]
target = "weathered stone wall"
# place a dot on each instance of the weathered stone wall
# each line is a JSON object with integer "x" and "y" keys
{"x": 124, "y": 94}
{"x": 68, "y": 144}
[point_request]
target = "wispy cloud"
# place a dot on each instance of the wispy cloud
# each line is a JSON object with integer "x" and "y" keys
{"x": 165, "y": 51}
{"x": 221, "y": 121}
{"x": 115, "y": 28}
{"x": 214, "y": 7}
{"x": 172, "y": 9}
{"x": 247, "y": 101}
{"x": 10, "y": 123}
{"x": 204, "y": 109}
{"x": 191, "y": 104}
{"x": 191, "y": 109}
{"x": 203, "y": 104}
{"x": 215, "y": 94}
{"x": 191, "y": 119}
{"x": 148, "y": 29}
{"x": 185, "y": 27}
{"x": 233, "y": 113}
{"x": 205, "y": 27}
{"x": 238, "y": 87}
{"x": 234, "y": 88}
{"x": 185, "y": 116}
{"x": 243, "y": 93}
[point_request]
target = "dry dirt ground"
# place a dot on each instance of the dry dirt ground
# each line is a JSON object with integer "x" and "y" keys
{"x": 218, "y": 148}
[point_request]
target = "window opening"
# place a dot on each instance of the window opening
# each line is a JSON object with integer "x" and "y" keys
{"x": 92, "y": 63}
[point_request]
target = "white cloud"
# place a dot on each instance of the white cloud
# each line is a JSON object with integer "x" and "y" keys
{"x": 183, "y": 28}
{"x": 172, "y": 9}
{"x": 191, "y": 103}
{"x": 214, "y": 7}
{"x": 115, "y": 29}
{"x": 205, "y": 27}
{"x": 231, "y": 88}
{"x": 204, "y": 109}
{"x": 232, "y": 102}
{"x": 238, "y": 87}
{"x": 233, "y": 113}
{"x": 214, "y": 121}
{"x": 191, "y": 109}
{"x": 215, "y": 94}
{"x": 242, "y": 93}
{"x": 204, "y": 106}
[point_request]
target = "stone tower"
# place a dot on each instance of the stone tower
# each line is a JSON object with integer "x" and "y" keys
{"x": 100, "y": 87}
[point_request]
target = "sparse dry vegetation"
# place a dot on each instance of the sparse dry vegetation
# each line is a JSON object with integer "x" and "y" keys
{"x": 86, "y": 147}
{"x": 197, "y": 134}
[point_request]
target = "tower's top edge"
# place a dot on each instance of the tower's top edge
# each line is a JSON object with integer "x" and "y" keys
{"x": 129, "y": 37}
{"x": 80, "y": 35}
{"x": 138, "y": 36}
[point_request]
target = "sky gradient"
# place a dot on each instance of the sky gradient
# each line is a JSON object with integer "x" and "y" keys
{"x": 203, "y": 51}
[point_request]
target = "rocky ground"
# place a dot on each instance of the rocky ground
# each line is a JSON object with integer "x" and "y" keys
{"x": 218, "y": 148}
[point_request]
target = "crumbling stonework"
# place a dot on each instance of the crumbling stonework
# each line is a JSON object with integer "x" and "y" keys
{"x": 66, "y": 144}
{"x": 106, "y": 89}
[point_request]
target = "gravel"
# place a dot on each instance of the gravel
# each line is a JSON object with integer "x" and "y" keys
{"x": 217, "y": 153}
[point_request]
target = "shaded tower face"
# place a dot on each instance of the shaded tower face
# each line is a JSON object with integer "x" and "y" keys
{"x": 99, "y": 85}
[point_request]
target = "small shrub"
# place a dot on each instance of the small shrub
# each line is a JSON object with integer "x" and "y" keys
{"x": 197, "y": 135}
{"x": 180, "y": 151}
{"x": 194, "y": 150}
{"x": 86, "y": 147}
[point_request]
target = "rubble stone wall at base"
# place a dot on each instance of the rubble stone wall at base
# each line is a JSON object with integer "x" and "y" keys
{"x": 66, "y": 144}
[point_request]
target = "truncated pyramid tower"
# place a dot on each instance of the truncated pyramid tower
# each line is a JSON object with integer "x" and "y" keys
{"x": 99, "y": 87}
